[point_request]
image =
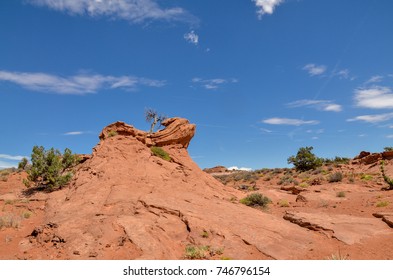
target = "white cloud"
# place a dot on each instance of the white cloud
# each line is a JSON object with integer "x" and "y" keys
{"x": 389, "y": 136}
{"x": 323, "y": 105}
{"x": 239, "y": 168}
{"x": 266, "y": 130}
{"x": 78, "y": 84}
{"x": 192, "y": 37}
{"x": 343, "y": 74}
{"x": 285, "y": 121}
{"x": 213, "y": 83}
{"x": 74, "y": 133}
{"x": 4, "y": 164}
{"x": 374, "y": 97}
{"x": 373, "y": 118}
{"x": 8, "y": 161}
{"x": 266, "y": 6}
{"x": 333, "y": 108}
{"x": 9, "y": 157}
{"x": 130, "y": 10}
{"x": 315, "y": 70}
{"x": 374, "y": 79}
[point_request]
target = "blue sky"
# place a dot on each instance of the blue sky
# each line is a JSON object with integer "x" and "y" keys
{"x": 259, "y": 78}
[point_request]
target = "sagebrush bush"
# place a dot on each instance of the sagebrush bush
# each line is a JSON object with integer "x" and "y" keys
{"x": 335, "y": 177}
{"x": 50, "y": 169}
{"x": 255, "y": 200}
{"x": 9, "y": 221}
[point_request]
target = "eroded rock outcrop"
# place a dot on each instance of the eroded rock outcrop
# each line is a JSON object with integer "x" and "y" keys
{"x": 386, "y": 217}
{"x": 177, "y": 131}
{"x": 126, "y": 203}
{"x": 368, "y": 158}
{"x": 346, "y": 228}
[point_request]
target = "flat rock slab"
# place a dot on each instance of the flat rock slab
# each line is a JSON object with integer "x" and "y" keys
{"x": 8, "y": 196}
{"x": 386, "y": 217}
{"x": 346, "y": 228}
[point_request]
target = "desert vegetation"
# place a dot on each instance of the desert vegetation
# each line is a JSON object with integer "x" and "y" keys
{"x": 50, "y": 169}
{"x": 305, "y": 159}
{"x": 255, "y": 200}
{"x": 154, "y": 118}
{"x": 193, "y": 252}
{"x": 386, "y": 178}
{"x": 160, "y": 152}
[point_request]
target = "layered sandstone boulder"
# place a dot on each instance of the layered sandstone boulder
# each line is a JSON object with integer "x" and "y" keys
{"x": 177, "y": 131}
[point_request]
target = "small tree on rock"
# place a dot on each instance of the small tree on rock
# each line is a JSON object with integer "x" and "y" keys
{"x": 154, "y": 117}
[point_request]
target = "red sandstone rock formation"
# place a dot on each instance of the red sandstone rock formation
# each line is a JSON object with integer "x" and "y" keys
{"x": 126, "y": 203}
{"x": 177, "y": 131}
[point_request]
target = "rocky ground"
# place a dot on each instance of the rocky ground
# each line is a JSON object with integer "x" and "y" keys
{"x": 125, "y": 202}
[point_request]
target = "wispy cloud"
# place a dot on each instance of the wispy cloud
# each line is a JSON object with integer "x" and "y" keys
{"x": 315, "y": 70}
{"x": 266, "y": 6}
{"x": 213, "y": 83}
{"x": 73, "y": 133}
{"x": 79, "y": 84}
{"x": 9, "y": 157}
{"x": 374, "y": 79}
{"x": 343, "y": 74}
{"x": 323, "y": 105}
{"x": 264, "y": 130}
{"x": 135, "y": 11}
{"x": 375, "y": 97}
{"x": 192, "y": 37}
{"x": 4, "y": 164}
{"x": 285, "y": 121}
{"x": 373, "y": 118}
{"x": 8, "y": 161}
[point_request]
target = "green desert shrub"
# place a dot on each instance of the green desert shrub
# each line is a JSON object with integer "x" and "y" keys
{"x": 160, "y": 152}
{"x": 283, "y": 203}
{"x": 22, "y": 165}
{"x": 386, "y": 178}
{"x": 112, "y": 133}
{"x": 340, "y": 194}
{"x": 336, "y": 160}
{"x": 196, "y": 252}
{"x": 382, "y": 203}
{"x": 366, "y": 177}
{"x": 305, "y": 160}
{"x": 49, "y": 168}
{"x": 255, "y": 200}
